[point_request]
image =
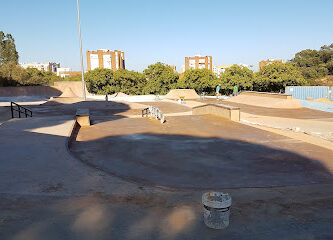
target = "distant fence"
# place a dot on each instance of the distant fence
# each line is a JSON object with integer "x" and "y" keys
{"x": 315, "y": 92}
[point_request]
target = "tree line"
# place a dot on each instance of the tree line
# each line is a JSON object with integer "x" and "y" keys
{"x": 160, "y": 79}
{"x": 304, "y": 69}
{"x": 12, "y": 74}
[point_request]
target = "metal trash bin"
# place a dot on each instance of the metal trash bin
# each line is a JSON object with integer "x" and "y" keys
{"x": 216, "y": 207}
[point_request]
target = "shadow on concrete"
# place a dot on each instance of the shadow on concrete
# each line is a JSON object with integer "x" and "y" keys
{"x": 189, "y": 162}
{"x": 40, "y": 91}
{"x": 99, "y": 110}
{"x": 36, "y": 174}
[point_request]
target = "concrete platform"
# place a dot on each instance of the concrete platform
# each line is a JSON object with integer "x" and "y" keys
{"x": 298, "y": 113}
{"x": 220, "y": 110}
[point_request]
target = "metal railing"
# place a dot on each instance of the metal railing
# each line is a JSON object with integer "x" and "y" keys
{"x": 153, "y": 111}
{"x": 14, "y": 107}
{"x": 145, "y": 112}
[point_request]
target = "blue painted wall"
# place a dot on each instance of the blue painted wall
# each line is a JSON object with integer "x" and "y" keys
{"x": 302, "y": 92}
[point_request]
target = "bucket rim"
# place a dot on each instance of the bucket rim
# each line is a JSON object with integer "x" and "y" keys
{"x": 211, "y": 203}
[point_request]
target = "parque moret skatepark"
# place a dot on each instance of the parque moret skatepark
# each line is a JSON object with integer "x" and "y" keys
{"x": 102, "y": 168}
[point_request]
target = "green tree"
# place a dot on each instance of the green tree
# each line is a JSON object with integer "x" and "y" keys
{"x": 129, "y": 82}
{"x": 275, "y": 77}
{"x": 202, "y": 80}
{"x": 8, "y": 51}
{"x": 237, "y": 76}
{"x": 315, "y": 64}
{"x": 326, "y": 55}
{"x": 12, "y": 74}
{"x": 37, "y": 77}
{"x": 98, "y": 79}
{"x": 160, "y": 79}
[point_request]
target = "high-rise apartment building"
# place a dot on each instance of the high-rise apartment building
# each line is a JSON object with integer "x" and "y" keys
{"x": 47, "y": 66}
{"x": 199, "y": 62}
{"x": 104, "y": 58}
{"x": 269, "y": 61}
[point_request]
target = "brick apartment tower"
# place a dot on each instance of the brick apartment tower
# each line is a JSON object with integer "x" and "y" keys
{"x": 104, "y": 58}
{"x": 199, "y": 62}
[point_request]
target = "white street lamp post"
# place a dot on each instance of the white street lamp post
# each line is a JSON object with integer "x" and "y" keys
{"x": 82, "y": 68}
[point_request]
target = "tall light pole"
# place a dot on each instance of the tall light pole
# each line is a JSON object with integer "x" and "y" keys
{"x": 82, "y": 67}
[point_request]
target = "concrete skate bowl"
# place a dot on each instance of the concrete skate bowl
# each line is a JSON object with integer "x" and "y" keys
{"x": 65, "y": 89}
{"x": 176, "y": 161}
{"x": 28, "y": 93}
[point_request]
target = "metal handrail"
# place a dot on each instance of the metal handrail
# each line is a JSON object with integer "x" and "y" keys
{"x": 145, "y": 112}
{"x": 20, "y": 109}
{"x": 153, "y": 111}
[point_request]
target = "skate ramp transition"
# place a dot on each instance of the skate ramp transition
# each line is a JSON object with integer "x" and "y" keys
{"x": 268, "y": 100}
{"x": 75, "y": 87}
{"x": 65, "y": 88}
{"x": 45, "y": 91}
{"x": 224, "y": 111}
{"x": 175, "y": 94}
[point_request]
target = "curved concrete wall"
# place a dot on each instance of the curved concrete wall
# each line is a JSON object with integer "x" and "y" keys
{"x": 45, "y": 91}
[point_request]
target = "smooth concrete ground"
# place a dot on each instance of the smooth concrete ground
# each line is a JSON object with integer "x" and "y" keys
{"x": 200, "y": 152}
{"x": 46, "y": 193}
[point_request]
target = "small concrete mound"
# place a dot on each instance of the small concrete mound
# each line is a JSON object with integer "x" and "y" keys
{"x": 68, "y": 93}
{"x": 75, "y": 86}
{"x": 175, "y": 94}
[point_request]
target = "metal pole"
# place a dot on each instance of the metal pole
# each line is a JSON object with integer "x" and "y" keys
{"x": 82, "y": 67}
{"x": 11, "y": 109}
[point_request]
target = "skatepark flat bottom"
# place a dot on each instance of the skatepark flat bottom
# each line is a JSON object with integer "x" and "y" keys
{"x": 200, "y": 152}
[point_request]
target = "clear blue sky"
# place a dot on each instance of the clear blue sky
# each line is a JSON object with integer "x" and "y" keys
{"x": 234, "y": 31}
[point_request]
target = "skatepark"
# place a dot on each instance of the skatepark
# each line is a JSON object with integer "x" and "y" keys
{"x": 132, "y": 177}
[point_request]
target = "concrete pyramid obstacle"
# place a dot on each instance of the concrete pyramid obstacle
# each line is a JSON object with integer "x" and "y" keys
{"x": 68, "y": 93}
{"x": 175, "y": 94}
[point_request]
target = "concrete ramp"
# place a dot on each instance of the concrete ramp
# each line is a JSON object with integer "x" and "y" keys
{"x": 188, "y": 94}
{"x": 224, "y": 111}
{"x": 42, "y": 91}
{"x": 267, "y": 100}
{"x": 68, "y": 93}
{"x": 75, "y": 86}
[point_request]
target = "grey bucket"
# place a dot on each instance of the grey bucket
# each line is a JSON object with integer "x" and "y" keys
{"x": 216, "y": 207}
